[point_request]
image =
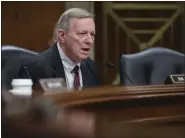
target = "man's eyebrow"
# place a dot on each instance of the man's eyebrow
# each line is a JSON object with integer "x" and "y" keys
{"x": 80, "y": 30}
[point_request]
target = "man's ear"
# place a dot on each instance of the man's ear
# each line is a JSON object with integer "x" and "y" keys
{"x": 61, "y": 35}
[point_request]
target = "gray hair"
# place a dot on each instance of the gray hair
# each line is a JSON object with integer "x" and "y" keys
{"x": 65, "y": 18}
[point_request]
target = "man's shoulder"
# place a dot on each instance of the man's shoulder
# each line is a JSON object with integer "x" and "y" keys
{"x": 46, "y": 52}
{"x": 42, "y": 58}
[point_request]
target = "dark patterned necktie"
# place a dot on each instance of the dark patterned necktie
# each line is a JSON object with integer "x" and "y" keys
{"x": 76, "y": 78}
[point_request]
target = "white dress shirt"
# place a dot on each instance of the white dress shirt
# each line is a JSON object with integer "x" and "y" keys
{"x": 68, "y": 67}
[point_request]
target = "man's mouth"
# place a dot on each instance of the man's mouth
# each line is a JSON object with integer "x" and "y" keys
{"x": 86, "y": 49}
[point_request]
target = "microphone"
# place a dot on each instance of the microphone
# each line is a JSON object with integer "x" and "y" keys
{"x": 27, "y": 72}
{"x": 111, "y": 65}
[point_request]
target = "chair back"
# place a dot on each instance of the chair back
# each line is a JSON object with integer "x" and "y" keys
{"x": 12, "y": 59}
{"x": 9, "y": 52}
{"x": 151, "y": 66}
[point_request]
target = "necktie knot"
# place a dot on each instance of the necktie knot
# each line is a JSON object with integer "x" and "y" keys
{"x": 76, "y": 69}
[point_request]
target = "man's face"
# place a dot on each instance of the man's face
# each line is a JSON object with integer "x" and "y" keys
{"x": 79, "y": 39}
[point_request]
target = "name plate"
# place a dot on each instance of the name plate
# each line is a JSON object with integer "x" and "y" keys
{"x": 53, "y": 84}
{"x": 176, "y": 78}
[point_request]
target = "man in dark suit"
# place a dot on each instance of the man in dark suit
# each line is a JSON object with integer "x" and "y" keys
{"x": 69, "y": 56}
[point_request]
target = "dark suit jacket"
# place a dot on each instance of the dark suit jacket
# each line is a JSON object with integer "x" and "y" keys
{"x": 49, "y": 65}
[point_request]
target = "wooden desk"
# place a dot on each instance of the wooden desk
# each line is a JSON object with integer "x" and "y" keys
{"x": 119, "y": 112}
{"x": 131, "y": 112}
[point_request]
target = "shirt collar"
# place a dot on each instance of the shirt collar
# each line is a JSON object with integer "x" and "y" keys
{"x": 67, "y": 62}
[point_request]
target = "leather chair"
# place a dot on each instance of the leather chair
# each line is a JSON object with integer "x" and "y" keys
{"x": 9, "y": 52}
{"x": 12, "y": 58}
{"x": 151, "y": 66}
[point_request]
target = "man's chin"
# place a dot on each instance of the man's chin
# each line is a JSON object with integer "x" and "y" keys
{"x": 83, "y": 57}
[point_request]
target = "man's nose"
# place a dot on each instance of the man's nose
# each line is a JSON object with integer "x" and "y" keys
{"x": 89, "y": 39}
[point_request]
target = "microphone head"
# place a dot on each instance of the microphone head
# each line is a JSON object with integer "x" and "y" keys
{"x": 110, "y": 65}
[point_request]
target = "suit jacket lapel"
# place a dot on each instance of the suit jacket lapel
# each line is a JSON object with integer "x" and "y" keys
{"x": 86, "y": 75}
{"x": 58, "y": 68}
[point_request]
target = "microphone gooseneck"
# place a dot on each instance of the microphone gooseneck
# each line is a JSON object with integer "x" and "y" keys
{"x": 27, "y": 73}
{"x": 111, "y": 65}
